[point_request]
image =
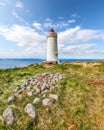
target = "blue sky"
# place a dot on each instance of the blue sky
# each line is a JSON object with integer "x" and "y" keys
{"x": 24, "y": 25}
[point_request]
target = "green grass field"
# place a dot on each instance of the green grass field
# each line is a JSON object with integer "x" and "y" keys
{"x": 81, "y": 98}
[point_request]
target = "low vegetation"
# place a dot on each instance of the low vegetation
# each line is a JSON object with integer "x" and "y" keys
{"x": 81, "y": 97}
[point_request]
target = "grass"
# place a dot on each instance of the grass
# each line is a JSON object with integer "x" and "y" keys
{"x": 80, "y": 105}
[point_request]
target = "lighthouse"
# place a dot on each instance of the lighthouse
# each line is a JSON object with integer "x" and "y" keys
{"x": 52, "y": 50}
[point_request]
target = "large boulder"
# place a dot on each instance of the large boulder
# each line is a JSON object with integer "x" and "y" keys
{"x": 8, "y": 116}
{"x": 30, "y": 110}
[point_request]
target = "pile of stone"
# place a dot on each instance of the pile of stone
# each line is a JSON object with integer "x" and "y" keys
{"x": 39, "y": 84}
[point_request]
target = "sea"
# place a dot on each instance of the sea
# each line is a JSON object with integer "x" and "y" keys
{"x": 12, "y": 63}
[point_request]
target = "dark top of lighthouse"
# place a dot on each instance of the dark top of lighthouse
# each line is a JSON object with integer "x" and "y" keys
{"x": 52, "y": 30}
{"x": 52, "y": 33}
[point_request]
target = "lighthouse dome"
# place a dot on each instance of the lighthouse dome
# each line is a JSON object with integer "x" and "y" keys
{"x": 52, "y": 33}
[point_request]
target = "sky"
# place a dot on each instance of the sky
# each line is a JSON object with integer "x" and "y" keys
{"x": 79, "y": 24}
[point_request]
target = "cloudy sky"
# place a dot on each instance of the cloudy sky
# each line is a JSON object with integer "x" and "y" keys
{"x": 24, "y": 25}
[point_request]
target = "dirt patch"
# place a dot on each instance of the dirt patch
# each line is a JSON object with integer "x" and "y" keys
{"x": 96, "y": 83}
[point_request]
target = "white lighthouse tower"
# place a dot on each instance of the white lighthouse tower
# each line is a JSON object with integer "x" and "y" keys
{"x": 52, "y": 50}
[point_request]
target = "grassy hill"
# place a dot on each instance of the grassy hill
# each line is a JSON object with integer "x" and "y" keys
{"x": 81, "y": 97}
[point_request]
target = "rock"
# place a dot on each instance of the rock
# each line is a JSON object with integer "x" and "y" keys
{"x": 46, "y": 102}
{"x": 39, "y": 83}
{"x": 30, "y": 93}
{"x": 26, "y": 83}
{"x": 52, "y": 88}
{"x": 29, "y": 80}
{"x": 44, "y": 95}
{"x": 8, "y": 116}
{"x": 45, "y": 91}
{"x": 43, "y": 87}
{"x": 19, "y": 91}
{"x": 36, "y": 100}
{"x": 16, "y": 89}
{"x": 11, "y": 99}
{"x": 48, "y": 86}
{"x": 23, "y": 85}
{"x": 54, "y": 96}
{"x": 60, "y": 77}
{"x": 30, "y": 110}
{"x": 22, "y": 89}
{"x": 19, "y": 96}
{"x": 38, "y": 91}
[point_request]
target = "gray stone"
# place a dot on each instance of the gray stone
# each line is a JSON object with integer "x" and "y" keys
{"x": 19, "y": 96}
{"x": 54, "y": 96}
{"x": 46, "y": 102}
{"x": 48, "y": 86}
{"x": 16, "y": 89}
{"x": 36, "y": 100}
{"x": 11, "y": 99}
{"x": 52, "y": 88}
{"x": 19, "y": 91}
{"x": 29, "y": 80}
{"x": 39, "y": 83}
{"x": 22, "y": 89}
{"x": 34, "y": 83}
{"x": 60, "y": 77}
{"x": 26, "y": 83}
{"x": 43, "y": 87}
{"x": 8, "y": 116}
{"x": 30, "y": 110}
{"x": 23, "y": 85}
{"x": 30, "y": 93}
{"x": 44, "y": 95}
{"x": 45, "y": 91}
{"x": 38, "y": 91}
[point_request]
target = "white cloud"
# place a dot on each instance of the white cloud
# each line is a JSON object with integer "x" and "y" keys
{"x": 88, "y": 34}
{"x": 78, "y": 48}
{"x": 76, "y": 35}
{"x": 37, "y": 25}
{"x": 19, "y": 4}
{"x": 75, "y": 15}
{"x": 49, "y": 25}
{"x": 49, "y": 20}
{"x": 61, "y": 25}
{"x": 25, "y": 37}
{"x": 10, "y": 53}
{"x": 19, "y": 18}
{"x": 71, "y": 41}
{"x": 68, "y": 36}
{"x": 72, "y": 21}
{"x": 58, "y": 25}
{"x": 95, "y": 51}
{"x": 78, "y": 51}
{"x": 5, "y": 2}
